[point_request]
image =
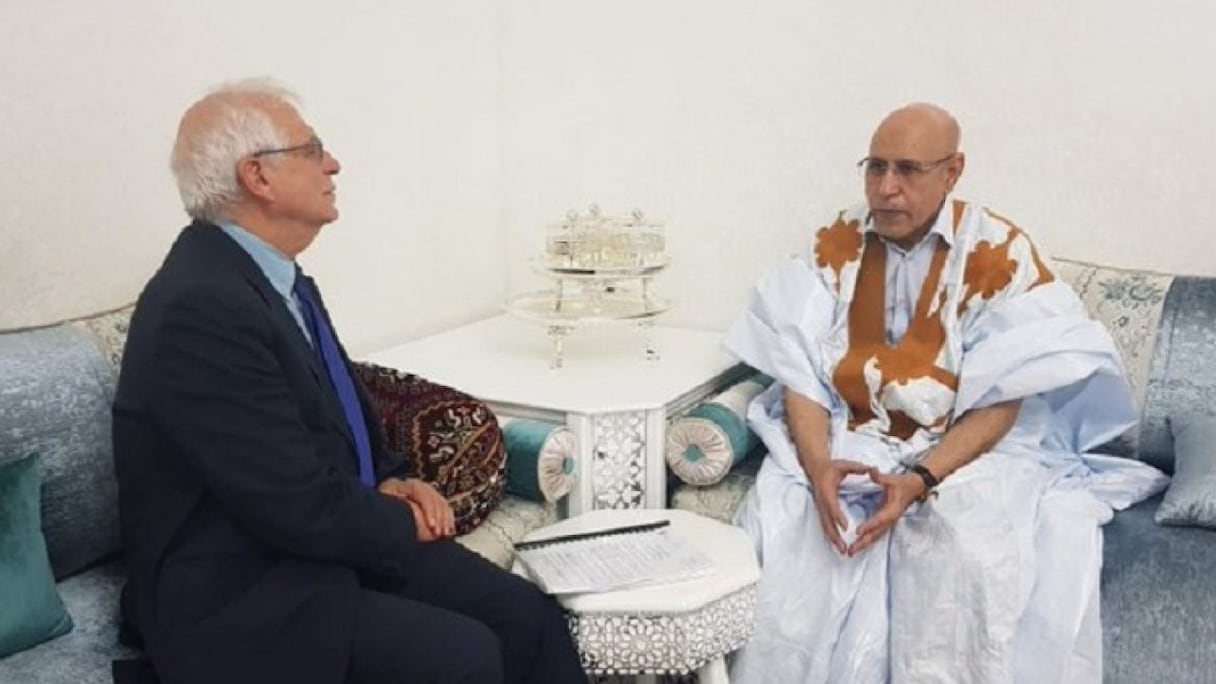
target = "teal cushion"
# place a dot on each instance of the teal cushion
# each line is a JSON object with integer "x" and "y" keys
{"x": 32, "y": 610}
{"x": 1191, "y": 498}
{"x": 742, "y": 439}
{"x": 540, "y": 459}
{"x": 705, "y": 444}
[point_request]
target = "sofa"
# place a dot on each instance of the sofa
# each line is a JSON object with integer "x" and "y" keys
{"x": 1158, "y": 607}
{"x": 1158, "y": 582}
{"x": 56, "y": 386}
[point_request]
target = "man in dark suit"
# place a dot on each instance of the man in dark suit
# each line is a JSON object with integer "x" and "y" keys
{"x": 270, "y": 535}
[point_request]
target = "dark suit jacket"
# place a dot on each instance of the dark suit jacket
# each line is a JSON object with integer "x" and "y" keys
{"x": 245, "y": 526}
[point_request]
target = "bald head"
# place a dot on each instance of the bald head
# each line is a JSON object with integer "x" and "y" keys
{"x": 920, "y": 126}
{"x": 913, "y": 164}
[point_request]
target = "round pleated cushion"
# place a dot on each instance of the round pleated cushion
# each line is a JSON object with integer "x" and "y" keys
{"x": 699, "y": 450}
{"x": 453, "y": 440}
{"x": 703, "y": 446}
{"x": 540, "y": 459}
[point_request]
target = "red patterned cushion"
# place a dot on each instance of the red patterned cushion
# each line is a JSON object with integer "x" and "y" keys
{"x": 452, "y": 439}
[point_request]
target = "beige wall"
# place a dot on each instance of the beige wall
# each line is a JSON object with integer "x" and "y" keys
{"x": 465, "y": 127}
{"x": 405, "y": 94}
{"x": 1087, "y": 122}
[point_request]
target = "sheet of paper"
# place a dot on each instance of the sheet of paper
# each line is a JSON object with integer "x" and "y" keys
{"x": 614, "y": 562}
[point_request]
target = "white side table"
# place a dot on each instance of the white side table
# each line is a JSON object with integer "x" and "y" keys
{"x": 614, "y": 400}
{"x": 673, "y": 628}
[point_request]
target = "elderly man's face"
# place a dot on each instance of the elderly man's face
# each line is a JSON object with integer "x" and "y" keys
{"x": 908, "y": 173}
{"x": 302, "y": 173}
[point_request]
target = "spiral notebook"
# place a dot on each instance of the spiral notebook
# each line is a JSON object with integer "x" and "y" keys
{"x": 615, "y": 558}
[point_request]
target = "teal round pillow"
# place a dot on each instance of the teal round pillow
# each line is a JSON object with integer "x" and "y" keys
{"x": 540, "y": 459}
{"x": 703, "y": 445}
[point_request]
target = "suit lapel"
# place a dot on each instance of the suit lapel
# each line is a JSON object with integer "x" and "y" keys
{"x": 283, "y": 320}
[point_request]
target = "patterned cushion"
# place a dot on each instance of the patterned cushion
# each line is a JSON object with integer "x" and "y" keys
{"x": 108, "y": 331}
{"x": 1129, "y": 303}
{"x": 511, "y": 521}
{"x": 719, "y": 501}
{"x": 452, "y": 440}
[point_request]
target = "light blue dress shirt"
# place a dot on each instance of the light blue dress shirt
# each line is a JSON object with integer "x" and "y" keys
{"x": 279, "y": 270}
{"x": 907, "y": 270}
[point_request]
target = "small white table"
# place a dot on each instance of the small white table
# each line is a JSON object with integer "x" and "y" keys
{"x": 672, "y": 628}
{"x": 615, "y": 401}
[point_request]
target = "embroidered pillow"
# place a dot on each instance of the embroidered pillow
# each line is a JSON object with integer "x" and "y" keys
{"x": 452, "y": 439}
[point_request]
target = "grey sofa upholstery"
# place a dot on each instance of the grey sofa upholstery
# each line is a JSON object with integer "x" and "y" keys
{"x": 56, "y": 385}
{"x": 1158, "y": 583}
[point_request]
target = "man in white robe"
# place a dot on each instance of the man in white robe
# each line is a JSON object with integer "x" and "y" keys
{"x": 925, "y": 513}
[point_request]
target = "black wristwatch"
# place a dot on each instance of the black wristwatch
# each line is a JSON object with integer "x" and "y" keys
{"x": 928, "y": 478}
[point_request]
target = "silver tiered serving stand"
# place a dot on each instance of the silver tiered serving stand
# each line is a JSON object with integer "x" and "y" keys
{"x": 601, "y": 267}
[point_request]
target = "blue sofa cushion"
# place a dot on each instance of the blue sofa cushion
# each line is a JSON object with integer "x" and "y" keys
{"x": 1191, "y": 498}
{"x": 32, "y": 611}
{"x": 1158, "y": 606}
{"x": 1182, "y": 375}
{"x": 82, "y": 656}
{"x": 58, "y": 386}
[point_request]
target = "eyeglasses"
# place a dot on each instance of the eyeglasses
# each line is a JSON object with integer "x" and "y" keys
{"x": 313, "y": 149}
{"x": 874, "y": 168}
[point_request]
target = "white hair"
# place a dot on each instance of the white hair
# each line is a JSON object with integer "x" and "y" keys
{"x": 229, "y": 123}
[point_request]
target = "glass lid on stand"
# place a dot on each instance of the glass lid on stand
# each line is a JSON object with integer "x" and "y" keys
{"x": 596, "y": 242}
{"x": 601, "y": 268}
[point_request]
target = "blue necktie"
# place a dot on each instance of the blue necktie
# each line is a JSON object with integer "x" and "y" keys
{"x": 326, "y": 346}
